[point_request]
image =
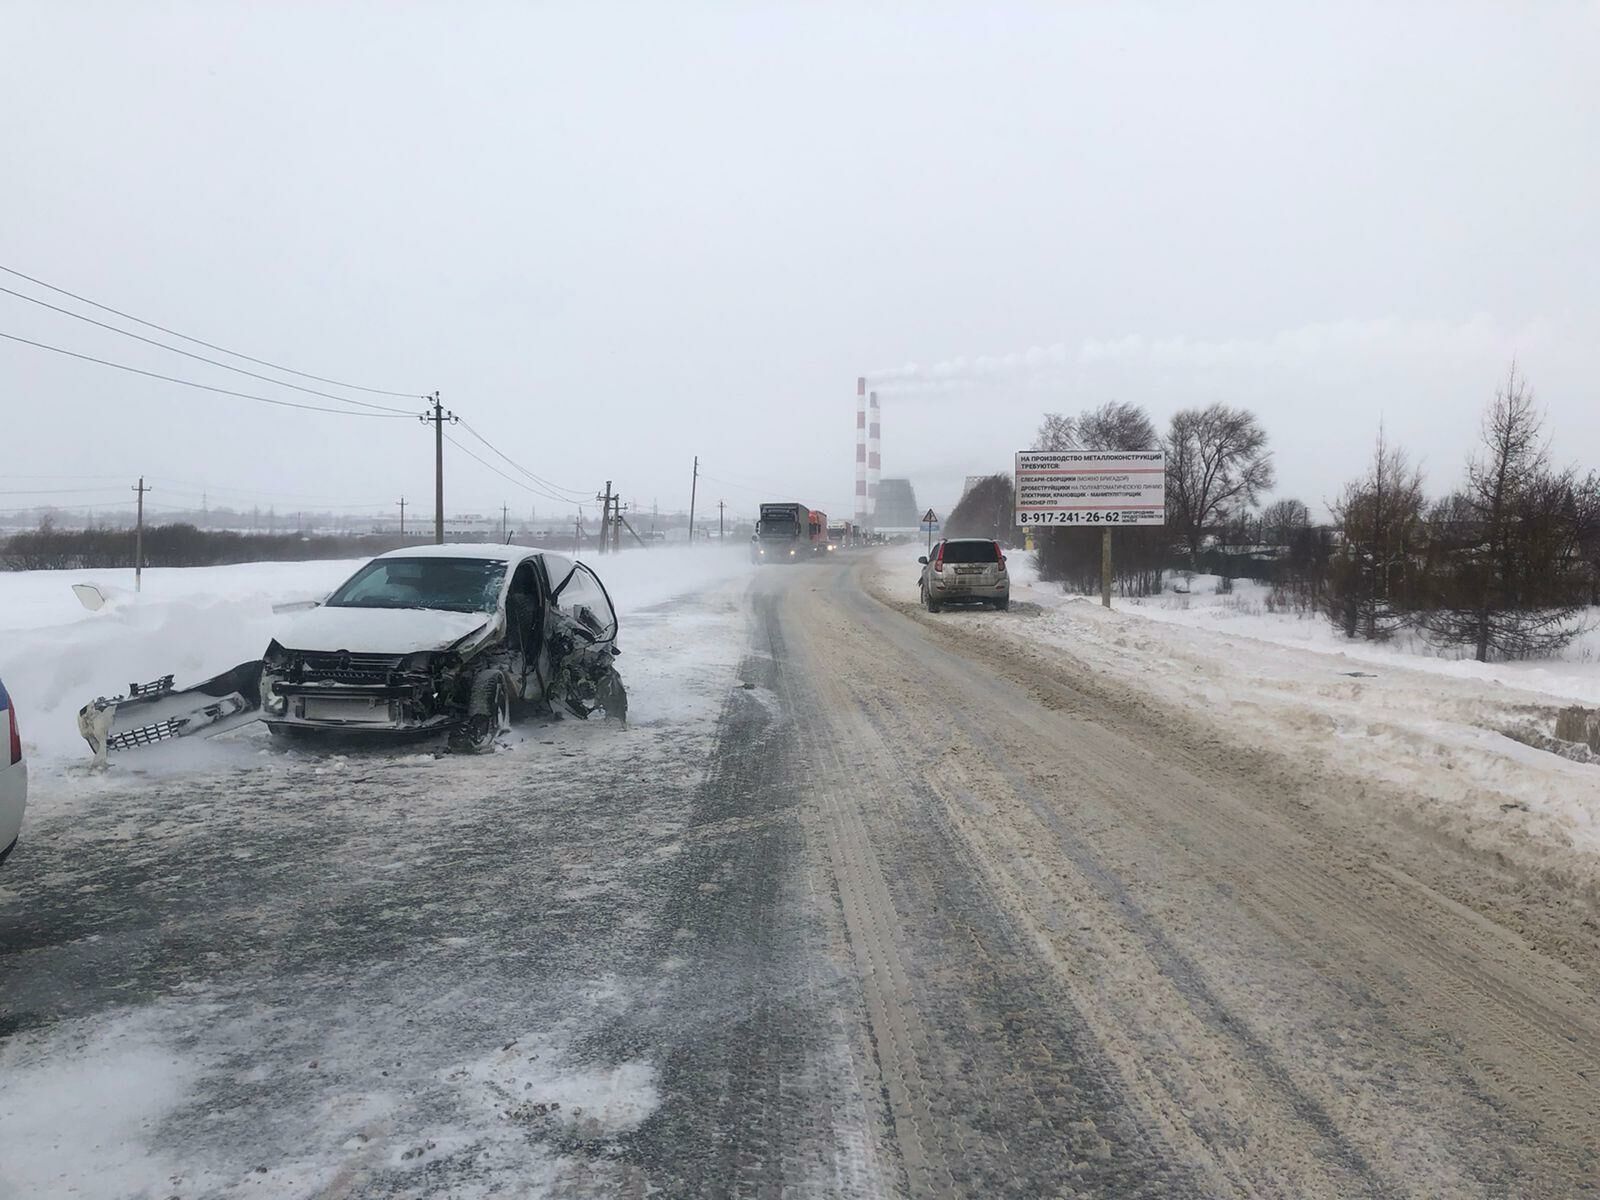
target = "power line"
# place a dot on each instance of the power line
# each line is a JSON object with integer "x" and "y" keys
{"x": 576, "y": 492}
{"x": 28, "y": 508}
{"x": 743, "y": 487}
{"x": 508, "y": 478}
{"x": 260, "y": 362}
{"x": 67, "y": 312}
{"x": 58, "y": 491}
{"x": 206, "y": 387}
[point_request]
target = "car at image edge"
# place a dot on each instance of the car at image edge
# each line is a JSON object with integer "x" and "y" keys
{"x": 13, "y": 776}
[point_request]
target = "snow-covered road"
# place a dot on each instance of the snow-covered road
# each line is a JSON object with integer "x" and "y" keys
{"x": 865, "y": 902}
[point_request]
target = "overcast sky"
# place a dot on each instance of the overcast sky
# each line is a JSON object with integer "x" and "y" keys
{"x": 617, "y": 236}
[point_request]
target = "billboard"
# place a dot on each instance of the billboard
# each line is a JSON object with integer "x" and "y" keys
{"x": 1091, "y": 487}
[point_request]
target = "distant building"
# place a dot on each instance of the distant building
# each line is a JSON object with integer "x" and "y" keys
{"x": 897, "y": 505}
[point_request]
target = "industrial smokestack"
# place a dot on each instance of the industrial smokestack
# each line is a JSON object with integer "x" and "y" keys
{"x": 873, "y": 461}
{"x": 861, "y": 450}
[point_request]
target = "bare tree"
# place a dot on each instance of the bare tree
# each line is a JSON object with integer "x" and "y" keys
{"x": 1380, "y": 518}
{"x": 1116, "y": 425}
{"x": 1282, "y": 520}
{"x": 988, "y": 510}
{"x": 1510, "y": 580}
{"x": 1217, "y": 464}
{"x": 1056, "y": 433}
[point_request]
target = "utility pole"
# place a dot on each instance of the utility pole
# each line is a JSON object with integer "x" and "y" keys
{"x": 138, "y": 539}
{"x": 505, "y": 532}
{"x": 720, "y": 507}
{"x": 693, "y": 486}
{"x": 577, "y": 533}
{"x": 605, "y": 517}
{"x": 439, "y": 417}
{"x": 402, "y": 516}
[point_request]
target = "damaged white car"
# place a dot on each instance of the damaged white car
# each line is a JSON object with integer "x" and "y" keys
{"x": 453, "y": 639}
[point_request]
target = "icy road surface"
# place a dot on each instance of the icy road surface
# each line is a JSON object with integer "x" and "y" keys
{"x": 867, "y": 903}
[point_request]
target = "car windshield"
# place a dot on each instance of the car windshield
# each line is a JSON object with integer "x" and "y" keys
{"x": 970, "y": 552}
{"x": 453, "y": 584}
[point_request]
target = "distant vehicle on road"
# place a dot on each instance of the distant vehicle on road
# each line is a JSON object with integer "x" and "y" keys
{"x": 789, "y": 532}
{"x": 965, "y": 571}
{"x": 817, "y": 531}
{"x": 13, "y": 776}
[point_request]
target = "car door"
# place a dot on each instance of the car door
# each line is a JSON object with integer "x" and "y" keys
{"x": 527, "y": 606}
{"x": 584, "y": 598}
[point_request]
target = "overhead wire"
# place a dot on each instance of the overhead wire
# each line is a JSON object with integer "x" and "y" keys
{"x": 744, "y": 487}
{"x": 548, "y": 495}
{"x": 260, "y": 362}
{"x": 206, "y": 387}
{"x": 576, "y": 492}
{"x": 139, "y": 337}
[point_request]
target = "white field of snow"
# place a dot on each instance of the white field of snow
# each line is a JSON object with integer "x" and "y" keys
{"x": 1574, "y": 673}
{"x": 1433, "y": 727}
{"x": 195, "y": 622}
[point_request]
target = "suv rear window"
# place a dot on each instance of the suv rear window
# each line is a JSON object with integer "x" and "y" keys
{"x": 973, "y": 551}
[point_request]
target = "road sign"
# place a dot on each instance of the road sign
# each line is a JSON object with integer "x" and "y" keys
{"x": 1091, "y": 488}
{"x": 930, "y": 517}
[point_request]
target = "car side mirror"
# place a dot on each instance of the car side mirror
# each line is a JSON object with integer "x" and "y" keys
{"x": 923, "y": 559}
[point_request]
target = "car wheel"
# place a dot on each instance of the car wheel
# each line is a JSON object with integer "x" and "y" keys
{"x": 933, "y": 605}
{"x": 488, "y": 715}
{"x": 612, "y": 696}
{"x": 1003, "y": 604}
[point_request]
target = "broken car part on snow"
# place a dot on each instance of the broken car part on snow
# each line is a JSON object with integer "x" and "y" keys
{"x": 453, "y": 639}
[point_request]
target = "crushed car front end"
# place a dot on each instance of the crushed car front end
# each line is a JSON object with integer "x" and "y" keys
{"x": 348, "y": 692}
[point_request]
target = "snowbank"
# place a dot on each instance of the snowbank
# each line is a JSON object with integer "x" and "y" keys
{"x": 195, "y": 622}
{"x": 1248, "y": 610}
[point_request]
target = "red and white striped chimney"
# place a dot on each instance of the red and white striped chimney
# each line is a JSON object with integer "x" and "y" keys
{"x": 861, "y": 450}
{"x": 873, "y": 460}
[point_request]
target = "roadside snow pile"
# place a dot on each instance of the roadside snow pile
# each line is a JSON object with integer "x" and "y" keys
{"x": 1458, "y": 737}
{"x": 196, "y": 622}
{"x": 1250, "y": 610}
{"x": 192, "y": 622}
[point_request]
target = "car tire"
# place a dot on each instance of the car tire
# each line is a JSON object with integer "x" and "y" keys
{"x": 612, "y": 696}
{"x": 488, "y": 715}
{"x": 933, "y": 605}
{"x": 1002, "y": 605}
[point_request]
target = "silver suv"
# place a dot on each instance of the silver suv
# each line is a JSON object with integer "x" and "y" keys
{"x": 965, "y": 571}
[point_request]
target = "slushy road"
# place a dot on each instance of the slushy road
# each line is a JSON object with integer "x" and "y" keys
{"x": 903, "y": 909}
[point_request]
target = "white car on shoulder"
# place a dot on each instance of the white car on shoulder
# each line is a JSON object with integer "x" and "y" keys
{"x": 13, "y": 776}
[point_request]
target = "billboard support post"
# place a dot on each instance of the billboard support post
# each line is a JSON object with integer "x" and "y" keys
{"x": 1105, "y": 567}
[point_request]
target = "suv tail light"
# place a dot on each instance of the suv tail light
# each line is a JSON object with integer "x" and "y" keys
{"x": 1000, "y": 557}
{"x": 16, "y": 737}
{"x": 938, "y": 559}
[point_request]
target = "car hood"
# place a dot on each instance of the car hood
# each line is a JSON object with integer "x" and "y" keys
{"x": 380, "y": 630}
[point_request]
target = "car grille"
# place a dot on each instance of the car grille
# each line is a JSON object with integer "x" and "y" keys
{"x": 350, "y": 668}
